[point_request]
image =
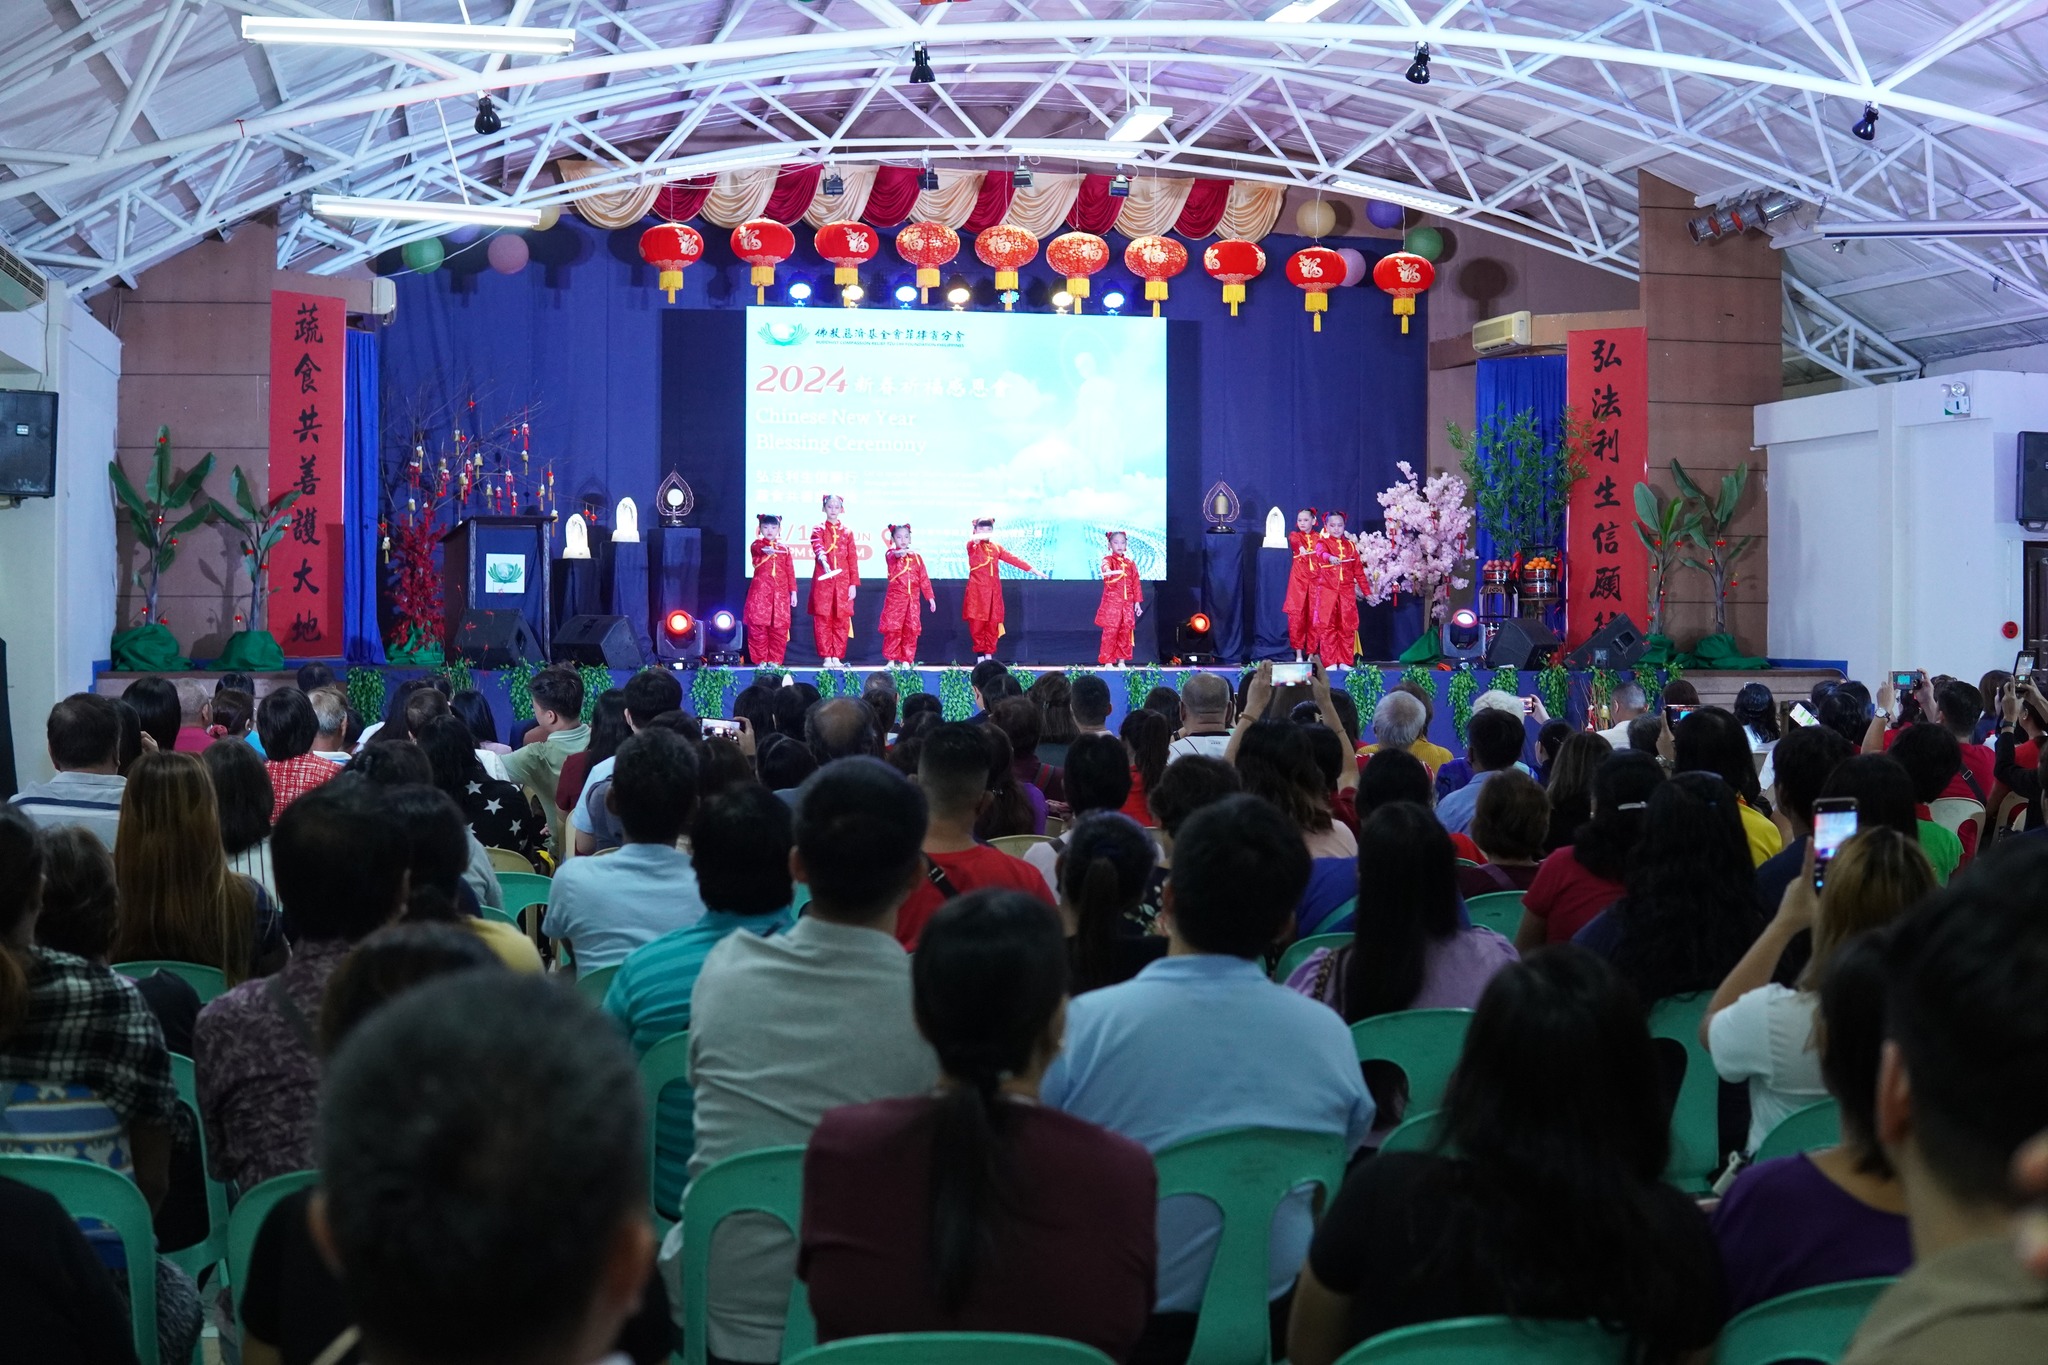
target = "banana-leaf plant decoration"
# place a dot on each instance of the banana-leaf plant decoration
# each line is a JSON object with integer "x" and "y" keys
{"x": 261, "y": 525}
{"x": 150, "y": 512}
{"x": 1709, "y": 533}
{"x": 1664, "y": 528}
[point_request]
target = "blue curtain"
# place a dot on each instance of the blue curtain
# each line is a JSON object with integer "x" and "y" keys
{"x": 1533, "y": 383}
{"x": 361, "y": 641}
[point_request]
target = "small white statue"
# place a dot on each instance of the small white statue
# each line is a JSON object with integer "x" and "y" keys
{"x": 626, "y": 520}
{"x": 576, "y": 537}
{"x": 1276, "y": 531}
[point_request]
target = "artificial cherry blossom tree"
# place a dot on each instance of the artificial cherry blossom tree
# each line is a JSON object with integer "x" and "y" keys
{"x": 1428, "y": 536}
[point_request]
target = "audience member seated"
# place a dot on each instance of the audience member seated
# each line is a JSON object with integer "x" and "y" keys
{"x": 1646, "y": 735}
{"x": 1847, "y": 710}
{"x": 1711, "y": 740}
{"x": 1204, "y": 718}
{"x": 765, "y": 1073}
{"x": 1756, "y": 711}
{"x": 1764, "y": 1033}
{"x": 1091, "y": 704}
{"x": 1803, "y": 762}
{"x": 1201, "y": 1041}
{"x": 178, "y": 898}
{"x": 84, "y": 733}
{"x": 977, "y": 1208}
{"x": 1628, "y": 702}
{"x": 785, "y": 766}
{"x": 232, "y": 715}
{"x": 1544, "y": 1198}
{"x": 1958, "y": 707}
{"x": 1014, "y": 806}
{"x": 604, "y": 908}
{"x": 1962, "y": 1085}
{"x": 1932, "y": 760}
{"x": 157, "y": 706}
{"x": 1275, "y": 762}
{"x": 1105, "y": 868}
{"x": 55, "y": 1295}
{"x": 330, "y": 724}
{"x": 558, "y": 731}
{"x": 1149, "y": 738}
{"x": 244, "y": 800}
{"x": 879, "y": 695}
{"x": 1456, "y": 773}
{"x": 1053, "y": 695}
{"x": 497, "y": 813}
{"x": 1433, "y": 755}
{"x": 1586, "y": 876}
{"x": 1493, "y": 742}
{"x": 341, "y": 871}
{"x": 1166, "y": 702}
{"x": 647, "y": 696}
{"x": 1393, "y": 775}
{"x": 739, "y": 850}
{"x": 1509, "y": 823}
{"x": 1185, "y": 788}
{"x": 1822, "y": 1217}
{"x": 1097, "y": 778}
{"x": 721, "y": 766}
{"x": 474, "y": 711}
{"x": 437, "y": 857}
{"x": 1549, "y": 739}
{"x": 193, "y": 697}
{"x": 953, "y": 772}
{"x": 608, "y": 730}
{"x": 285, "y": 720}
{"x": 2023, "y": 718}
{"x": 1017, "y": 718}
{"x": 393, "y": 763}
{"x": 1569, "y": 786}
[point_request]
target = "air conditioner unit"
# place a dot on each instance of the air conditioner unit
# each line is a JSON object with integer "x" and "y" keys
{"x": 1507, "y": 333}
{"x": 22, "y": 286}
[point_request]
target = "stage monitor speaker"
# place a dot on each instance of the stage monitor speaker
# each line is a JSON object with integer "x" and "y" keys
{"x": 1521, "y": 642}
{"x": 2032, "y": 500}
{"x": 1615, "y": 645}
{"x": 606, "y": 640}
{"x": 493, "y": 639}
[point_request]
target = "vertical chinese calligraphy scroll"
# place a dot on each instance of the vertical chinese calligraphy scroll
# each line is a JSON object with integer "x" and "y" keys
{"x": 307, "y": 347}
{"x": 1606, "y": 384}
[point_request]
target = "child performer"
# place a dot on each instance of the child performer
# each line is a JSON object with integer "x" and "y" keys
{"x": 771, "y": 597}
{"x": 1123, "y": 602}
{"x": 908, "y": 581}
{"x": 1302, "y": 582}
{"x": 1340, "y": 580}
{"x": 835, "y": 573}
{"x": 982, "y": 608}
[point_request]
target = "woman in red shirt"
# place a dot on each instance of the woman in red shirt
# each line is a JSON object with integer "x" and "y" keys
{"x": 1147, "y": 735}
{"x": 1585, "y": 877}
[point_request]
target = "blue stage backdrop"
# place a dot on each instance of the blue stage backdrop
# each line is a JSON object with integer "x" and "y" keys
{"x": 624, "y": 387}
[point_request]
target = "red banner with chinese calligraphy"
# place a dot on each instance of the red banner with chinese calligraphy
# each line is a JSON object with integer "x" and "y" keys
{"x": 307, "y": 347}
{"x": 1608, "y": 573}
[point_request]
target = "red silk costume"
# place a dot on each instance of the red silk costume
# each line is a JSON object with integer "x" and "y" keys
{"x": 768, "y": 601}
{"x": 1336, "y": 613}
{"x": 1303, "y": 577}
{"x": 901, "y": 625}
{"x": 835, "y": 569}
{"x": 982, "y": 608}
{"x": 1122, "y": 592}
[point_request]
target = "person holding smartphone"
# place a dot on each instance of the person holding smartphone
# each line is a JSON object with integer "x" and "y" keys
{"x": 2023, "y": 715}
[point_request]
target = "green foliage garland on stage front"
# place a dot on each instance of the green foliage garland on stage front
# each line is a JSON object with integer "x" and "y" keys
{"x": 1367, "y": 685}
{"x": 1554, "y": 685}
{"x": 456, "y": 671}
{"x": 366, "y": 694}
{"x": 519, "y": 688}
{"x": 956, "y": 694}
{"x": 1138, "y": 685}
{"x": 1422, "y": 677}
{"x": 1463, "y": 685}
{"x": 707, "y": 690}
{"x": 597, "y": 679}
{"x": 1506, "y": 680}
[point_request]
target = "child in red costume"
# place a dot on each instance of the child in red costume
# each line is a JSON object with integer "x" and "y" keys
{"x": 835, "y": 572}
{"x": 1303, "y": 579}
{"x": 1340, "y": 580}
{"x": 908, "y": 581}
{"x": 982, "y": 607}
{"x": 771, "y": 597}
{"x": 1123, "y": 602}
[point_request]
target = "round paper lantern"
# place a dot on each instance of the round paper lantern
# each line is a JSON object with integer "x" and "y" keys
{"x": 1233, "y": 261}
{"x": 1315, "y": 218}
{"x": 507, "y": 253}
{"x": 1355, "y": 271}
{"x": 849, "y": 246}
{"x": 1008, "y": 248}
{"x": 1155, "y": 260}
{"x": 927, "y": 246}
{"x": 424, "y": 256}
{"x": 1426, "y": 242}
{"x": 549, "y": 216}
{"x": 1077, "y": 255}
{"x": 1315, "y": 270}
{"x": 1381, "y": 214}
{"x": 462, "y": 234}
{"x": 1404, "y": 275}
{"x": 671, "y": 248}
{"x": 763, "y": 244}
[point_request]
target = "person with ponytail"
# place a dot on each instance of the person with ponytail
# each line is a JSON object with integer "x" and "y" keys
{"x": 438, "y": 856}
{"x": 1586, "y": 876}
{"x": 1104, "y": 871}
{"x": 975, "y": 1208}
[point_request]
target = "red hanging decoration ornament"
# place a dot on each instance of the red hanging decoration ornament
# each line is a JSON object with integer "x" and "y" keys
{"x": 1404, "y": 275}
{"x": 849, "y": 246}
{"x": 1233, "y": 261}
{"x": 671, "y": 248}
{"x": 763, "y": 244}
{"x": 1008, "y": 248}
{"x": 1155, "y": 260}
{"x": 1077, "y": 255}
{"x": 928, "y": 246}
{"x": 1316, "y": 270}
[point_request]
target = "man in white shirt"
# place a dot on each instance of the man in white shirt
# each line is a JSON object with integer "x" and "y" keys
{"x": 1091, "y": 704}
{"x": 330, "y": 721}
{"x": 84, "y": 733}
{"x": 1629, "y": 702}
{"x": 1204, "y": 718}
{"x": 649, "y": 693}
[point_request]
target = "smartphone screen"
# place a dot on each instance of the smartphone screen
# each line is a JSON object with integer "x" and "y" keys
{"x": 2022, "y": 665}
{"x": 722, "y": 729}
{"x": 1800, "y": 715}
{"x": 1286, "y": 675}
{"x": 1905, "y": 682}
{"x": 1675, "y": 714}
{"x": 1528, "y": 706}
{"x": 1834, "y": 824}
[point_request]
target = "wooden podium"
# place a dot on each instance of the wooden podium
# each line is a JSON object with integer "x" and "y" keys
{"x": 479, "y": 556}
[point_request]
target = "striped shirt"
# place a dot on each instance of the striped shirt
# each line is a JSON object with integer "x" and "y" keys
{"x": 90, "y": 800}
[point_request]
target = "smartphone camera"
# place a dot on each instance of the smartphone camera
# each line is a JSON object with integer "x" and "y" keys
{"x": 1288, "y": 675}
{"x": 1675, "y": 714}
{"x": 1834, "y": 824}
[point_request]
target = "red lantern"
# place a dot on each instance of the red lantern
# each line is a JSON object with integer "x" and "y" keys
{"x": 1404, "y": 275}
{"x": 1233, "y": 261}
{"x": 1007, "y": 247}
{"x": 849, "y": 246}
{"x": 927, "y": 246}
{"x": 1155, "y": 260}
{"x": 671, "y": 248}
{"x": 1318, "y": 270}
{"x": 1077, "y": 255}
{"x": 763, "y": 244}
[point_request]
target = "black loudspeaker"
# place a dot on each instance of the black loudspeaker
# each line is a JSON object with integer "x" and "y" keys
{"x": 493, "y": 639}
{"x": 2032, "y": 500}
{"x": 1521, "y": 642}
{"x": 28, "y": 444}
{"x": 1615, "y": 645}
{"x": 606, "y": 640}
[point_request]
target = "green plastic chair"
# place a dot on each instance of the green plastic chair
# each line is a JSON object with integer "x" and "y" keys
{"x": 210, "y": 982}
{"x": 210, "y": 1250}
{"x": 1336, "y": 914}
{"x": 769, "y": 1181}
{"x": 1301, "y": 949}
{"x": 89, "y": 1191}
{"x": 523, "y": 889}
{"x": 1424, "y": 1043}
{"x": 1695, "y": 1119}
{"x": 952, "y": 1348}
{"x": 1245, "y": 1173}
{"x": 667, "y": 1063}
{"x": 1816, "y": 1126}
{"x": 1813, "y": 1324}
{"x": 1416, "y": 1133}
{"x": 593, "y": 984}
{"x": 247, "y": 1220}
{"x": 1500, "y": 911}
{"x": 492, "y": 912}
{"x": 1492, "y": 1341}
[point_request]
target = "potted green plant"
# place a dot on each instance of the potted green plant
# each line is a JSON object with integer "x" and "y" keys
{"x": 1523, "y": 487}
{"x": 260, "y": 525}
{"x": 152, "y": 509}
{"x": 1664, "y": 528}
{"x": 1718, "y": 553}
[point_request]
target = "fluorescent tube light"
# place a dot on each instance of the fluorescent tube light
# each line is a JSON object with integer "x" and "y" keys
{"x": 1937, "y": 227}
{"x": 537, "y": 42}
{"x": 423, "y": 211}
{"x": 1408, "y": 196}
{"x": 1299, "y": 12}
{"x": 1140, "y": 123}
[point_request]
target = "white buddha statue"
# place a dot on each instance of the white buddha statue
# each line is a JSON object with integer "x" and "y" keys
{"x": 1276, "y": 531}
{"x": 576, "y": 537}
{"x": 626, "y": 521}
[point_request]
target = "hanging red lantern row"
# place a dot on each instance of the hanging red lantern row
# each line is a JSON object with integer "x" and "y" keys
{"x": 927, "y": 246}
{"x": 1315, "y": 270}
{"x": 763, "y": 244}
{"x": 1404, "y": 275}
{"x": 1233, "y": 261}
{"x": 1008, "y": 248}
{"x": 671, "y": 248}
{"x": 849, "y": 246}
{"x": 1077, "y": 255}
{"x": 1155, "y": 260}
